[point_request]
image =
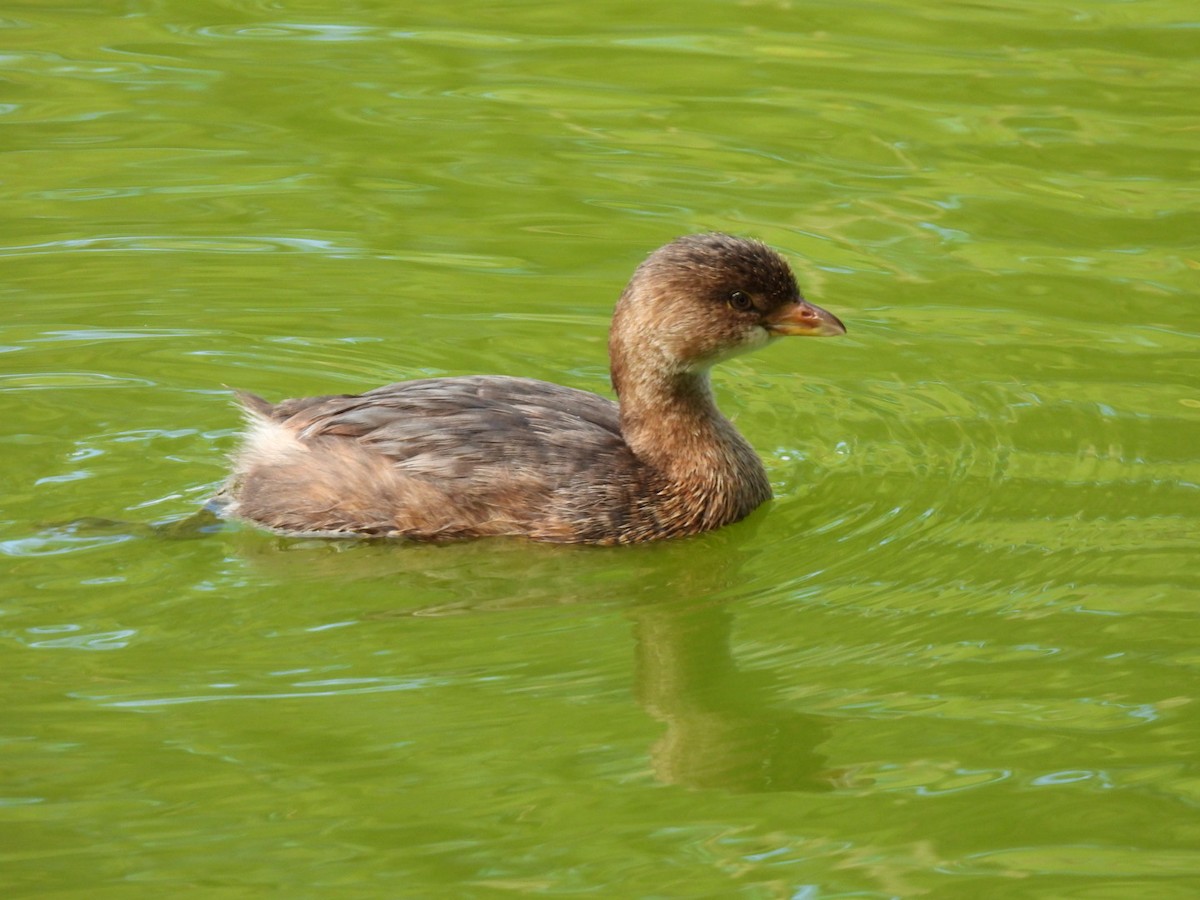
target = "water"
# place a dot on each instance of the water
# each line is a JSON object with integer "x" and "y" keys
{"x": 955, "y": 657}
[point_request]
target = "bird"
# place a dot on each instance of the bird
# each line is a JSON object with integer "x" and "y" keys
{"x": 440, "y": 459}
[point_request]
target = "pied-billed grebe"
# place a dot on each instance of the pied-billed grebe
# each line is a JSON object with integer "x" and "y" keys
{"x": 488, "y": 455}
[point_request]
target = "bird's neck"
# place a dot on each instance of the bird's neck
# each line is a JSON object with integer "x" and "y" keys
{"x": 671, "y": 422}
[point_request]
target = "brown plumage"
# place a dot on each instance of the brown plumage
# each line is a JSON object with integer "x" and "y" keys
{"x": 483, "y": 455}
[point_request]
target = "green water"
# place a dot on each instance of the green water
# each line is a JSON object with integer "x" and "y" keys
{"x": 956, "y": 657}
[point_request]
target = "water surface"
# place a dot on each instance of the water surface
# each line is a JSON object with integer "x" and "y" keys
{"x": 955, "y": 657}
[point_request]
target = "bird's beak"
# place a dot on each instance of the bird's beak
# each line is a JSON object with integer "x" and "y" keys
{"x": 803, "y": 318}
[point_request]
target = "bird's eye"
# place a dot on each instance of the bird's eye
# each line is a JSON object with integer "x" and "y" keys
{"x": 741, "y": 301}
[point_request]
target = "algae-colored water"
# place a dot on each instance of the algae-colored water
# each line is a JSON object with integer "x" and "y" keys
{"x": 956, "y": 656}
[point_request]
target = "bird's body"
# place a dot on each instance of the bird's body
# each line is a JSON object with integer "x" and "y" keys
{"x": 482, "y": 455}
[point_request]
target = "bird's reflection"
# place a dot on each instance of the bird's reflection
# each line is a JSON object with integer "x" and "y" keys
{"x": 722, "y": 731}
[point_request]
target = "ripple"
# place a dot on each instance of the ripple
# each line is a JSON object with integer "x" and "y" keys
{"x": 54, "y": 381}
{"x": 58, "y": 542}
{"x": 44, "y": 65}
{"x": 1069, "y": 476}
{"x": 274, "y": 31}
{"x": 1092, "y": 860}
{"x": 78, "y": 640}
{"x": 327, "y": 688}
{"x": 185, "y": 244}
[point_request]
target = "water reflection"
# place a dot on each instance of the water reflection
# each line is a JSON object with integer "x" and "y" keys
{"x": 723, "y": 727}
{"x": 722, "y": 730}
